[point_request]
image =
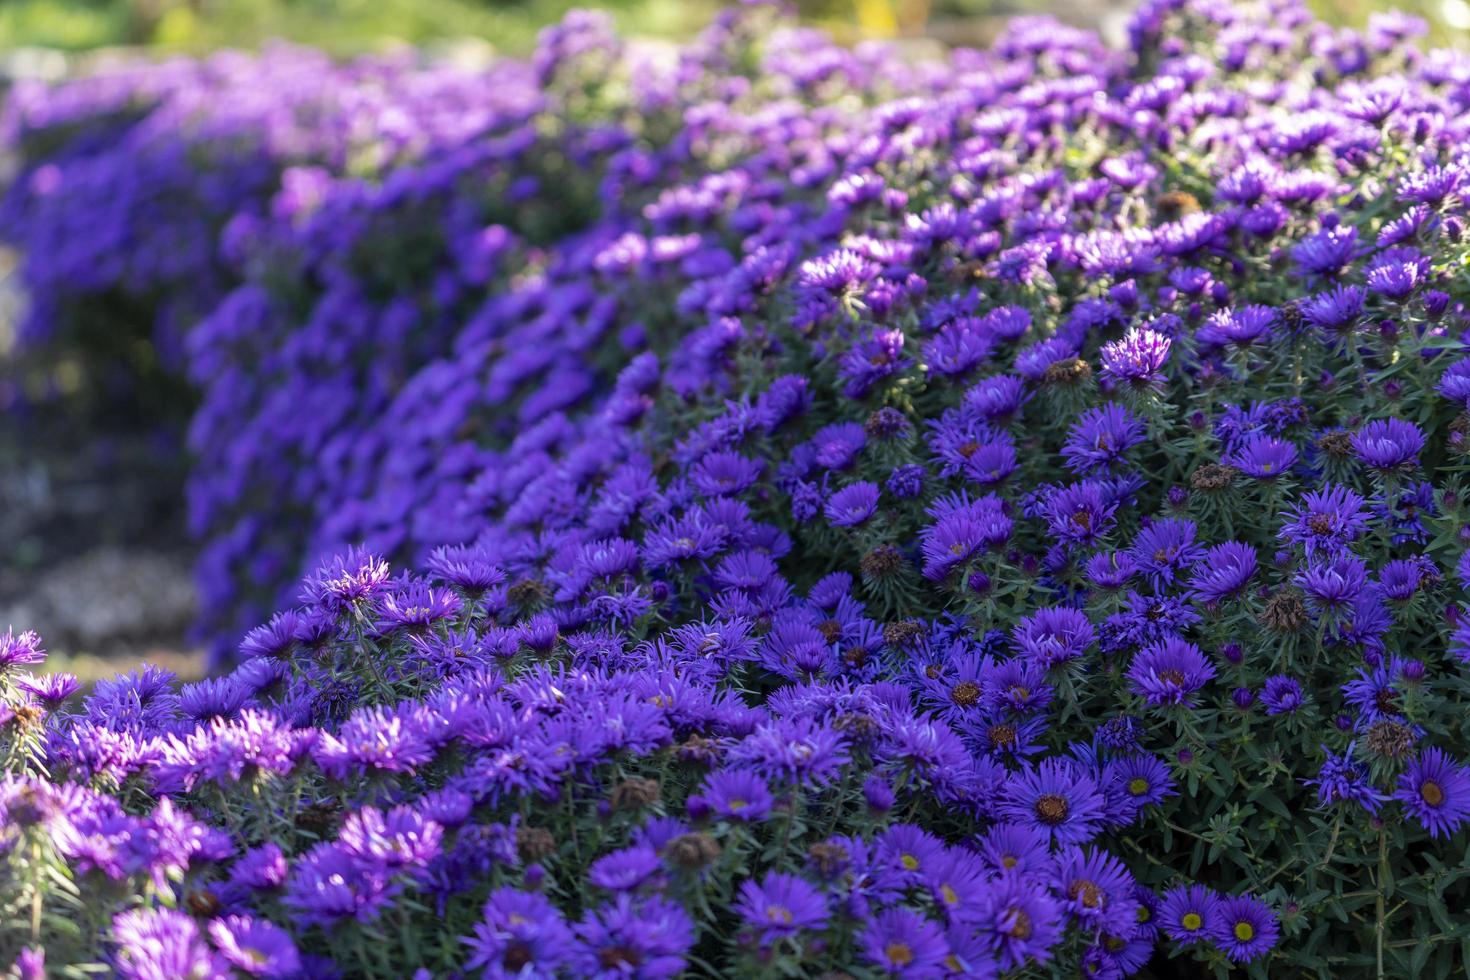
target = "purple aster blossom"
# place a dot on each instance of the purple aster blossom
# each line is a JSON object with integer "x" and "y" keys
{"x": 1435, "y": 791}
{"x": 1388, "y": 444}
{"x": 1095, "y": 890}
{"x": 1326, "y": 521}
{"x": 1326, "y": 252}
{"x": 1166, "y": 548}
{"x": 626, "y": 870}
{"x": 1244, "y": 928}
{"x": 255, "y": 947}
{"x": 52, "y": 690}
{"x": 1080, "y": 513}
{"x": 1335, "y": 310}
{"x": 1053, "y": 636}
{"x": 1021, "y": 922}
{"x": 799, "y": 750}
{"x": 997, "y": 398}
{"x": 1263, "y": 457}
{"x": 1169, "y": 672}
{"x": 1101, "y": 437}
{"x": 1017, "y": 848}
{"x": 1224, "y": 571}
{"x": 1334, "y": 583}
{"x": 1137, "y": 359}
{"x": 781, "y": 906}
{"x": 1139, "y": 780}
{"x": 725, "y": 474}
{"x": 1282, "y": 695}
{"x": 400, "y": 838}
{"x": 650, "y": 935}
{"x": 899, "y": 942}
{"x": 839, "y": 445}
{"x": 157, "y": 943}
{"x": 1055, "y": 796}
{"x": 1239, "y": 327}
{"x": 911, "y": 852}
{"x": 1188, "y": 913}
{"x": 1454, "y": 383}
{"x": 852, "y": 505}
{"x": 521, "y": 931}
{"x": 991, "y": 461}
{"x": 19, "y": 650}
{"x": 736, "y": 794}
{"x": 1343, "y": 779}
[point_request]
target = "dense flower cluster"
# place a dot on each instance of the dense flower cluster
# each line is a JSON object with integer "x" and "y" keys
{"x": 923, "y": 520}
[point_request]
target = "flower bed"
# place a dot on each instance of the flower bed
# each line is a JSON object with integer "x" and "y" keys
{"x": 901, "y": 519}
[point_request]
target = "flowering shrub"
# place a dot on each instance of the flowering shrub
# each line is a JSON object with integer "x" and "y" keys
{"x": 986, "y": 516}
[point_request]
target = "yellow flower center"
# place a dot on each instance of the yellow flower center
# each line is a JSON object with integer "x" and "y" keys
{"x": 1431, "y": 792}
{"x": 776, "y": 913}
{"x": 899, "y": 954}
{"x": 1192, "y": 921}
{"x": 909, "y": 862}
{"x": 1244, "y": 932}
{"x": 1137, "y": 786}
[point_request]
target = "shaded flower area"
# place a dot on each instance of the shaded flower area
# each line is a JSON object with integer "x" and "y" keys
{"x": 781, "y": 510}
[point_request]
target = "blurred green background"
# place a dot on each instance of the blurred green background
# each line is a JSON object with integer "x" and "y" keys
{"x": 510, "y": 26}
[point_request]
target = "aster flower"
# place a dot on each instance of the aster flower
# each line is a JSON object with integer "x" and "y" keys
{"x": 520, "y": 931}
{"x": 1096, "y": 891}
{"x": 1020, "y": 922}
{"x": 901, "y": 943}
{"x": 255, "y": 947}
{"x": 1099, "y": 439}
{"x": 1169, "y": 672}
{"x": 1342, "y": 779}
{"x": 651, "y": 935}
{"x": 1054, "y": 636}
{"x": 156, "y": 943}
{"x": 1189, "y": 913}
{"x": 19, "y": 650}
{"x": 1054, "y": 796}
{"x": 1244, "y": 928}
{"x": 1326, "y": 520}
{"x": 1435, "y": 790}
{"x": 1263, "y": 457}
{"x": 736, "y": 794}
{"x": 1388, "y": 444}
{"x": 1165, "y": 548}
{"x": 853, "y": 505}
{"x": 1137, "y": 359}
{"x": 1224, "y": 571}
{"x": 781, "y": 906}
{"x": 1282, "y": 695}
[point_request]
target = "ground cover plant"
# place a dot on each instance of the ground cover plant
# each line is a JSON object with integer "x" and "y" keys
{"x": 1000, "y": 515}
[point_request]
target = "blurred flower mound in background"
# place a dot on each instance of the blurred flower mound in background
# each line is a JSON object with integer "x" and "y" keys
{"x": 769, "y": 508}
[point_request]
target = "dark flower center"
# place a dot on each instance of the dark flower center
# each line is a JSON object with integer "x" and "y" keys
{"x": 1002, "y": 736}
{"x": 899, "y": 954}
{"x": 1431, "y": 792}
{"x": 1020, "y": 925}
{"x": 1172, "y": 676}
{"x": 615, "y": 956}
{"x": 1320, "y": 524}
{"x": 1087, "y": 893}
{"x": 1051, "y": 809}
{"x": 965, "y": 694}
{"x": 517, "y": 957}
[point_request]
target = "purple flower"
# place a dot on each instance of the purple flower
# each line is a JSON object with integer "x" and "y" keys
{"x": 1188, "y": 914}
{"x": 521, "y": 932}
{"x": 1282, "y": 695}
{"x": 1224, "y": 571}
{"x": 853, "y": 505}
{"x": 1054, "y": 796}
{"x": 1326, "y": 520}
{"x": 1165, "y": 548}
{"x": 901, "y": 943}
{"x": 1263, "y": 457}
{"x": 725, "y": 474}
{"x": 1337, "y": 309}
{"x": 625, "y": 870}
{"x": 1342, "y": 779}
{"x": 157, "y": 943}
{"x": 737, "y": 794}
{"x": 780, "y": 906}
{"x": 1096, "y": 890}
{"x": 22, "y": 649}
{"x": 1021, "y": 922}
{"x": 1054, "y": 635}
{"x": 255, "y": 947}
{"x": 1244, "y": 928}
{"x": 1099, "y": 439}
{"x": 1334, "y": 584}
{"x": 1136, "y": 360}
{"x": 649, "y": 937}
{"x": 1169, "y": 672}
{"x": 1435, "y": 790}
{"x": 1387, "y": 444}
